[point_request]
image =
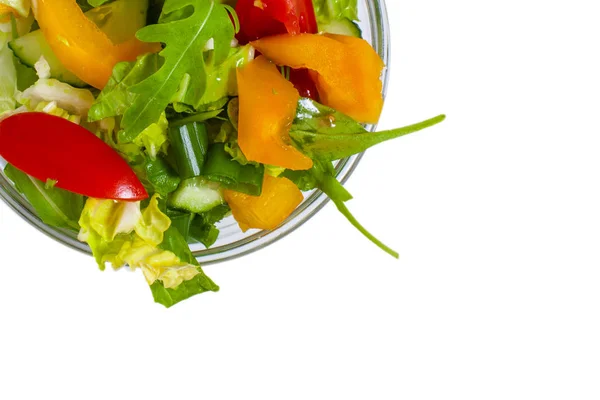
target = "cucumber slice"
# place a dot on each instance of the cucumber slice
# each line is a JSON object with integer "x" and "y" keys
{"x": 196, "y": 195}
{"x": 29, "y": 48}
{"x": 342, "y": 27}
{"x": 120, "y": 20}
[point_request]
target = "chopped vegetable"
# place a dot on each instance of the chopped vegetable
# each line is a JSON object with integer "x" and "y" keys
{"x": 196, "y": 195}
{"x": 189, "y": 145}
{"x": 80, "y": 45}
{"x": 271, "y": 17}
{"x": 267, "y": 108}
{"x": 49, "y": 147}
{"x": 185, "y": 40}
{"x": 278, "y": 200}
{"x": 349, "y": 70}
{"x": 220, "y": 167}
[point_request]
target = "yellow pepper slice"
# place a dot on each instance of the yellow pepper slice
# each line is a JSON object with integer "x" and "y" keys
{"x": 268, "y": 105}
{"x": 79, "y": 44}
{"x": 349, "y": 69}
{"x": 279, "y": 198}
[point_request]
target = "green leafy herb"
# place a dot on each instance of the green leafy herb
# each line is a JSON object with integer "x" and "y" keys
{"x": 221, "y": 81}
{"x": 56, "y": 207}
{"x": 185, "y": 40}
{"x": 197, "y": 117}
{"x": 168, "y": 297}
{"x": 116, "y": 97}
{"x": 176, "y": 243}
{"x": 322, "y": 176}
{"x": 326, "y": 135}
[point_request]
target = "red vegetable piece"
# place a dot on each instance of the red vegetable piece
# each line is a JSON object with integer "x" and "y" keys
{"x": 49, "y": 147}
{"x": 262, "y": 18}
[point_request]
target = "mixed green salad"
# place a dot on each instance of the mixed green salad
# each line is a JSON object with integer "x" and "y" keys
{"x": 141, "y": 124}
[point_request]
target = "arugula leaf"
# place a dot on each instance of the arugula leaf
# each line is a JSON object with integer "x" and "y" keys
{"x": 221, "y": 80}
{"x": 322, "y": 176}
{"x": 324, "y": 134}
{"x": 185, "y": 40}
{"x": 54, "y": 206}
{"x": 115, "y": 98}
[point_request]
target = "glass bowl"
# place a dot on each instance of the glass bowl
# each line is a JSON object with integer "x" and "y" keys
{"x": 232, "y": 242}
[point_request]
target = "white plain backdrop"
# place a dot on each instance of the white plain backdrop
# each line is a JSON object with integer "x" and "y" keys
{"x": 496, "y": 215}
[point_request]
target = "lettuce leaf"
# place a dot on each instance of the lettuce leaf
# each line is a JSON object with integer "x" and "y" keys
{"x": 8, "y": 77}
{"x": 73, "y": 100}
{"x": 185, "y": 40}
{"x": 108, "y": 218}
{"x": 55, "y": 207}
{"x": 154, "y": 138}
{"x": 119, "y": 234}
{"x": 153, "y": 223}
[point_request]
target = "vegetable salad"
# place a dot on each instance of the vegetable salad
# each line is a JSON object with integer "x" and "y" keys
{"x": 140, "y": 124}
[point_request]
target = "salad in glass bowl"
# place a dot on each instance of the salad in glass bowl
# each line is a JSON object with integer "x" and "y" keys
{"x": 140, "y": 125}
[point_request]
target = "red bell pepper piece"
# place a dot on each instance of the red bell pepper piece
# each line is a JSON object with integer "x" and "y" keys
{"x": 261, "y": 18}
{"x": 49, "y": 147}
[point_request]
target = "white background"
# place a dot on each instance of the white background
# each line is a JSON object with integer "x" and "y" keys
{"x": 496, "y": 214}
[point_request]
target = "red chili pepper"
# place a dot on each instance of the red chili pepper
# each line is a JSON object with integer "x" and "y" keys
{"x": 49, "y": 147}
{"x": 261, "y": 18}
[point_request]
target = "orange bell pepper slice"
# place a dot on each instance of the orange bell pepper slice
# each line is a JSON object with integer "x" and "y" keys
{"x": 349, "y": 70}
{"x": 268, "y": 105}
{"x": 279, "y": 198}
{"x": 79, "y": 44}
